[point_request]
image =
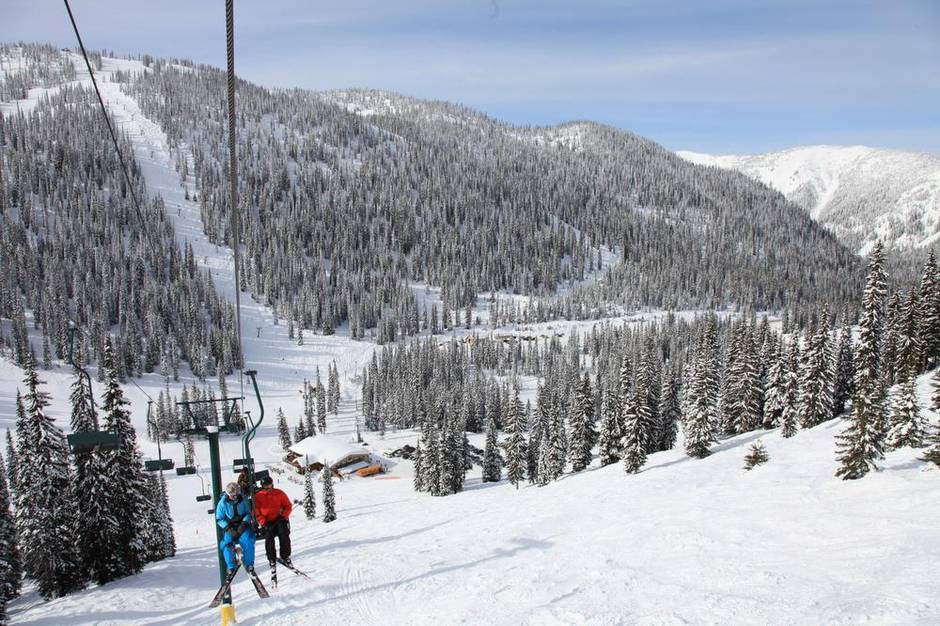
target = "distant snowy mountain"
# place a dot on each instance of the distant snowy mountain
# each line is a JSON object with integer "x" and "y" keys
{"x": 860, "y": 193}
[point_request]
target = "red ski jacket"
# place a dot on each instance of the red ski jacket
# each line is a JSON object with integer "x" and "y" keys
{"x": 270, "y": 504}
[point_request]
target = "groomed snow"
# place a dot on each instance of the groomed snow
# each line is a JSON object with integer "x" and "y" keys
{"x": 684, "y": 541}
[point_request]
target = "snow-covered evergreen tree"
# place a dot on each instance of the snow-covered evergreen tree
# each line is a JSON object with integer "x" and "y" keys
{"x": 332, "y": 397}
{"x": 97, "y": 527}
{"x": 544, "y": 470}
{"x": 557, "y": 440}
{"x": 816, "y": 382}
{"x": 845, "y": 371}
{"x": 515, "y": 444}
{"x": 635, "y": 435}
{"x": 283, "y": 431}
{"x": 610, "y": 431}
{"x": 12, "y": 460}
{"x": 158, "y": 536}
{"x": 929, "y": 301}
{"x": 300, "y": 431}
{"x": 756, "y": 455}
{"x": 127, "y": 495}
{"x": 431, "y": 460}
{"x": 492, "y": 461}
{"x": 670, "y": 411}
{"x": 648, "y": 385}
{"x": 310, "y": 502}
{"x": 329, "y": 501}
{"x": 910, "y": 354}
{"x": 701, "y": 418}
{"x": 46, "y": 510}
{"x": 776, "y": 388}
{"x": 321, "y": 405}
{"x": 11, "y": 564}
{"x": 189, "y": 452}
{"x": 908, "y": 427}
{"x": 741, "y": 399}
{"x": 861, "y": 444}
{"x": 581, "y": 427}
{"x": 309, "y": 419}
{"x": 789, "y": 409}
{"x": 934, "y": 397}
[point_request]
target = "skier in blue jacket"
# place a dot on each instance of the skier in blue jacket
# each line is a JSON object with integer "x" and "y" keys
{"x": 233, "y": 514}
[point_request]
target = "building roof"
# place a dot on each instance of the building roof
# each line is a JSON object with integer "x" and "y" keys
{"x": 326, "y": 450}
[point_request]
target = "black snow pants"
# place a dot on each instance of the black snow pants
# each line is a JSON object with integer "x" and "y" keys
{"x": 281, "y": 530}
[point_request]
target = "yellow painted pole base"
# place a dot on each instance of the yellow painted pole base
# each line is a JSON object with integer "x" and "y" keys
{"x": 228, "y": 614}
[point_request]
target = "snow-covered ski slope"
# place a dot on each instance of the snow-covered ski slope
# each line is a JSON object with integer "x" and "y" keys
{"x": 862, "y": 194}
{"x": 684, "y": 541}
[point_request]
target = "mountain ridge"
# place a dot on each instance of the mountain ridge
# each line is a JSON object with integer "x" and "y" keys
{"x": 859, "y": 192}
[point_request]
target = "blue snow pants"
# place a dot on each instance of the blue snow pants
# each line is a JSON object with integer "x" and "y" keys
{"x": 247, "y": 542}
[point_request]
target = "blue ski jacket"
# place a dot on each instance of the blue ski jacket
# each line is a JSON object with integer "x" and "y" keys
{"x": 228, "y": 511}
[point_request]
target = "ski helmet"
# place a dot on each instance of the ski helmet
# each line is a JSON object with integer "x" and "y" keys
{"x": 267, "y": 480}
{"x": 232, "y": 489}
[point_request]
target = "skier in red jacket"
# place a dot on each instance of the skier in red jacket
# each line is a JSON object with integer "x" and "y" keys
{"x": 272, "y": 508}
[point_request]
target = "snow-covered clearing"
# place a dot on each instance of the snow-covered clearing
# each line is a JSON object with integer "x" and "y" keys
{"x": 684, "y": 541}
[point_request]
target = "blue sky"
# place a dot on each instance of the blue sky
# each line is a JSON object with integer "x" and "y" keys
{"x": 716, "y": 76}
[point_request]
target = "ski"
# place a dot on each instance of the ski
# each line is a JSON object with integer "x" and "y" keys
{"x": 292, "y": 568}
{"x": 273, "y": 574}
{"x": 217, "y": 600}
{"x": 256, "y": 581}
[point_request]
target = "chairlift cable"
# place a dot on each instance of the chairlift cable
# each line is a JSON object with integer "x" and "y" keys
{"x": 233, "y": 180}
{"x": 107, "y": 119}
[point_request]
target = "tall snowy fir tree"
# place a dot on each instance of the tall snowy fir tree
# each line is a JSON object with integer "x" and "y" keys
{"x": 908, "y": 427}
{"x": 701, "y": 418}
{"x": 543, "y": 472}
{"x": 581, "y": 427}
{"x": 12, "y": 459}
{"x": 635, "y": 434}
{"x": 610, "y": 431}
{"x": 843, "y": 383}
{"x": 283, "y": 431}
{"x": 776, "y": 389}
{"x": 46, "y": 511}
{"x": 309, "y": 419}
{"x": 790, "y": 400}
{"x": 816, "y": 382}
{"x": 321, "y": 405}
{"x": 741, "y": 405}
{"x": 861, "y": 444}
{"x": 329, "y": 500}
{"x": 932, "y": 455}
{"x": 492, "y": 461}
{"x": 11, "y": 563}
{"x": 670, "y": 411}
{"x": 310, "y": 501}
{"x": 648, "y": 383}
{"x": 158, "y": 536}
{"x": 515, "y": 443}
{"x": 97, "y": 527}
{"x": 332, "y": 392}
{"x": 910, "y": 354}
{"x": 929, "y": 302}
{"x": 127, "y": 496}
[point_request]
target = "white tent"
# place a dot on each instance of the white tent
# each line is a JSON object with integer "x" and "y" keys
{"x": 326, "y": 451}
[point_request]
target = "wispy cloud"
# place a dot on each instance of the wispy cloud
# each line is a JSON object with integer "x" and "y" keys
{"x": 703, "y": 75}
